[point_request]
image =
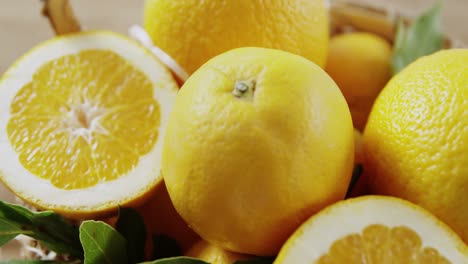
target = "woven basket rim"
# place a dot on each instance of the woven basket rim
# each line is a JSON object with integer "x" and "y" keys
{"x": 348, "y": 16}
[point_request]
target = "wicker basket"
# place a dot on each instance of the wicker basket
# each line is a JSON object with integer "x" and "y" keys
{"x": 345, "y": 16}
{"x": 348, "y": 16}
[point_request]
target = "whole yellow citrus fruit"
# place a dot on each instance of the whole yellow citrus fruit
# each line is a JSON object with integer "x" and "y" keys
{"x": 373, "y": 229}
{"x": 415, "y": 143}
{"x": 259, "y": 140}
{"x": 360, "y": 64}
{"x": 192, "y": 32}
{"x": 210, "y": 253}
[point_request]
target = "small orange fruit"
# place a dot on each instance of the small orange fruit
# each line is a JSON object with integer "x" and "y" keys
{"x": 360, "y": 64}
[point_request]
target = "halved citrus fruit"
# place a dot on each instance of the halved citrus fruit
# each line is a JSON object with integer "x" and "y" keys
{"x": 81, "y": 122}
{"x": 373, "y": 229}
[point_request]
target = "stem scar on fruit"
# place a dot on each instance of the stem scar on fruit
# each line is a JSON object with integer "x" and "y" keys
{"x": 244, "y": 89}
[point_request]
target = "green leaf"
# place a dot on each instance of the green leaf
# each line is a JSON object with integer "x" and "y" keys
{"x": 47, "y": 227}
{"x": 13, "y": 219}
{"x": 422, "y": 37}
{"x": 58, "y": 230}
{"x": 257, "y": 260}
{"x": 177, "y": 260}
{"x": 357, "y": 171}
{"x": 132, "y": 227}
{"x": 9, "y": 230}
{"x": 15, "y": 213}
{"x": 102, "y": 244}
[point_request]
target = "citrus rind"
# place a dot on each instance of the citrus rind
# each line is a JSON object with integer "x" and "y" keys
{"x": 106, "y": 195}
{"x": 314, "y": 238}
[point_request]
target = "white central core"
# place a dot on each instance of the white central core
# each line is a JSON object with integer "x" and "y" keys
{"x": 83, "y": 120}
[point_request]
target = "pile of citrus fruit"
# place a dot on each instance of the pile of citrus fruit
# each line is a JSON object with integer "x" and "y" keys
{"x": 254, "y": 154}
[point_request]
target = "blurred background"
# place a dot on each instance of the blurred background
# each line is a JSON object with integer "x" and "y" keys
{"x": 22, "y": 26}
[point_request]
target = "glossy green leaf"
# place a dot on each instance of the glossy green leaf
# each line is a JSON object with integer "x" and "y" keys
{"x": 357, "y": 171}
{"x": 102, "y": 244}
{"x": 9, "y": 230}
{"x": 423, "y": 37}
{"x": 132, "y": 227}
{"x": 47, "y": 227}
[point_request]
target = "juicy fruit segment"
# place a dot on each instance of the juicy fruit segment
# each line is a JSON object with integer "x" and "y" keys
{"x": 418, "y": 128}
{"x": 85, "y": 134}
{"x": 373, "y": 229}
{"x": 381, "y": 244}
{"x": 82, "y": 117}
{"x": 259, "y": 140}
{"x": 360, "y": 64}
{"x": 192, "y": 32}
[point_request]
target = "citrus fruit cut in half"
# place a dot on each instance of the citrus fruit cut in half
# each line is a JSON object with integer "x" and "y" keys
{"x": 81, "y": 122}
{"x": 373, "y": 229}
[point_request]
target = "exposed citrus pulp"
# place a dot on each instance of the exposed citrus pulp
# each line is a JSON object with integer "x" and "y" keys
{"x": 82, "y": 117}
{"x": 373, "y": 229}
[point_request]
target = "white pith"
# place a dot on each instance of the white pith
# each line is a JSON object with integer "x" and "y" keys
{"x": 314, "y": 238}
{"x": 138, "y": 33}
{"x": 102, "y": 195}
{"x": 83, "y": 120}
